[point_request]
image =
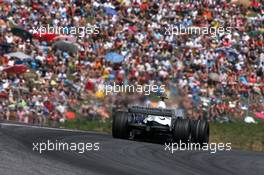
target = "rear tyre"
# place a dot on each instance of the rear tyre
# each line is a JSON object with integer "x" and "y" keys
{"x": 120, "y": 128}
{"x": 200, "y": 132}
{"x": 182, "y": 130}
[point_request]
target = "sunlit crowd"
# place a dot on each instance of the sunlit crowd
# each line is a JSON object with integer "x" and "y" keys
{"x": 217, "y": 76}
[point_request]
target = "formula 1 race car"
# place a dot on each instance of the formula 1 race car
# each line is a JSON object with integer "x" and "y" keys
{"x": 138, "y": 120}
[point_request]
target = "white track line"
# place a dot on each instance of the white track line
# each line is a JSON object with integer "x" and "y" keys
{"x": 47, "y": 128}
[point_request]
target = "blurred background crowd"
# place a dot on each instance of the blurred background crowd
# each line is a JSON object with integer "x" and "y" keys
{"x": 53, "y": 77}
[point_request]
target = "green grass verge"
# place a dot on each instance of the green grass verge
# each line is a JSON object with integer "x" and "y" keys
{"x": 240, "y": 135}
{"x": 98, "y": 126}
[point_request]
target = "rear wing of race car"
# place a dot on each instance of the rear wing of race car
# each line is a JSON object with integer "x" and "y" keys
{"x": 154, "y": 111}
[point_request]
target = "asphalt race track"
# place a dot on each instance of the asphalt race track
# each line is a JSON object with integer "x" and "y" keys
{"x": 117, "y": 157}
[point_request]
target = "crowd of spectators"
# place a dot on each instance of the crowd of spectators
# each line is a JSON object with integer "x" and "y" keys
{"x": 219, "y": 76}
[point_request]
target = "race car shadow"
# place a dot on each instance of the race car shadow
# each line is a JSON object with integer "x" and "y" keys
{"x": 155, "y": 139}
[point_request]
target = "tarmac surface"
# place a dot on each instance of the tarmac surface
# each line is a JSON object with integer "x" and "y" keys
{"x": 18, "y": 156}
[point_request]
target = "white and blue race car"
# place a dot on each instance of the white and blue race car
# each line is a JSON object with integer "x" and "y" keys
{"x": 139, "y": 121}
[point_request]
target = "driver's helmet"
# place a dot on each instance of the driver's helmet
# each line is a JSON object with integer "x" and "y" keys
{"x": 163, "y": 96}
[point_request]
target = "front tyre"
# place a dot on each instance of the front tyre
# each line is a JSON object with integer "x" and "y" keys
{"x": 200, "y": 132}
